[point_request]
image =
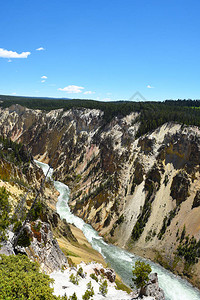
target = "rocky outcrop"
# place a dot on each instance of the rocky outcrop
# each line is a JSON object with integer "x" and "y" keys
{"x": 109, "y": 274}
{"x": 59, "y": 227}
{"x": 152, "y": 289}
{"x": 6, "y": 246}
{"x": 196, "y": 202}
{"x": 180, "y": 187}
{"x": 41, "y": 246}
{"x": 44, "y": 248}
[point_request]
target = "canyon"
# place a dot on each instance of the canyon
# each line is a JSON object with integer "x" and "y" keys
{"x": 140, "y": 193}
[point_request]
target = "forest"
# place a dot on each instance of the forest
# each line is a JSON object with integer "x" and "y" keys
{"x": 152, "y": 113}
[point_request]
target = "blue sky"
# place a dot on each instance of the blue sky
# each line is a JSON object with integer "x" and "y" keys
{"x": 104, "y": 50}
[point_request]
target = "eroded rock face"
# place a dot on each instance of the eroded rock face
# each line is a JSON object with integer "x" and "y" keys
{"x": 44, "y": 248}
{"x": 61, "y": 227}
{"x": 111, "y": 173}
{"x": 152, "y": 289}
{"x": 182, "y": 151}
{"x": 180, "y": 187}
{"x": 196, "y": 202}
{"x": 146, "y": 144}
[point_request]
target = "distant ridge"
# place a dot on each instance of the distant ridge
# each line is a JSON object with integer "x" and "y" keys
{"x": 151, "y": 114}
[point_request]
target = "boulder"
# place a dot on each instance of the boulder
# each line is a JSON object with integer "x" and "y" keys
{"x": 152, "y": 289}
{"x": 109, "y": 273}
{"x": 6, "y": 247}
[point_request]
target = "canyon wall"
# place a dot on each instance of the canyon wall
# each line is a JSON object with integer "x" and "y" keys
{"x": 141, "y": 193}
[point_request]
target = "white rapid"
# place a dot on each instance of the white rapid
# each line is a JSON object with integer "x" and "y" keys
{"x": 121, "y": 261}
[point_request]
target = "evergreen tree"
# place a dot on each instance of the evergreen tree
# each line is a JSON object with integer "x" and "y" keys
{"x": 141, "y": 272}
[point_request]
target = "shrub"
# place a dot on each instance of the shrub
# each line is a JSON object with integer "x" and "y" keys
{"x": 189, "y": 248}
{"x": 89, "y": 292}
{"x": 103, "y": 289}
{"x": 36, "y": 211}
{"x": 73, "y": 297}
{"x": 141, "y": 272}
{"x": 5, "y": 209}
{"x": 80, "y": 272}
{"x": 24, "y": 239}
{"x": 20, "y": 279}
{"x": 73, "y": 279}
{"x": 93, "y": 276}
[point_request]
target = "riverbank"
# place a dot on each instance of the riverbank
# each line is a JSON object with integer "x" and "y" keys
{"x": 81, "y": 250}
{"x": 176, "y": 266}
{"x": 120, "y": 260}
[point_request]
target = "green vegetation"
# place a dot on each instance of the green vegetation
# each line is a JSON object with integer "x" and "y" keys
{"x": 68, "y": 252}
{"x": 5, "y": 209}
{"x": 36, "y": 211}
{"x": 138, "y": 175}
{"x": 188, "y": 248}
{"x": 15, "y": 160}
{"x": 20, "y": 279}
{"x": 164, "y": 262}
{"x": 142, "y": 219}
{"x": 24, "y": 239}
{"x": 14, "y": 152}
{"x": 152, "y": 114}
{"x": 73, "y": 297}
{"x": 150, "y": 235}
{"x": 152, "y": 183}
{"x": 89, "y": 292}
{"x": 141, "y": 272}
{"x": 103, "y": 288}
{"x": 93, "y": 276}
{"x": 80, "y": 272}
{"x": 167, "y": 221}
{"x": 121, "y": 286}
{"x": 183, "y": 233}
{"x": 74, "y": 279}
{"x": 120, "y": 220}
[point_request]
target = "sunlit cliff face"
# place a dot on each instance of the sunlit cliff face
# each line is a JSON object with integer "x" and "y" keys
{"x": 138, "y": 193}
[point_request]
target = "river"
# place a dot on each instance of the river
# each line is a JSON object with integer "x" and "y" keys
{"x": 175, "y": 288}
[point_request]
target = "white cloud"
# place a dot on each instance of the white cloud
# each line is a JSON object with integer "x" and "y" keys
{"x": 88, "y": 93}
{"x": 150, "y": 87}
{"x": 42, "y": 80}
{"x": 12, "y": 54}
{"x": 40, "y": 49}
{"x": 72, "y": 89}
{"x": 44, "y": 77}
{"x": 14, "y": 94}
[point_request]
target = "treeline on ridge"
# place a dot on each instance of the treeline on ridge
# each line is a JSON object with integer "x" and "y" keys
{"x": 152, "y": 114}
